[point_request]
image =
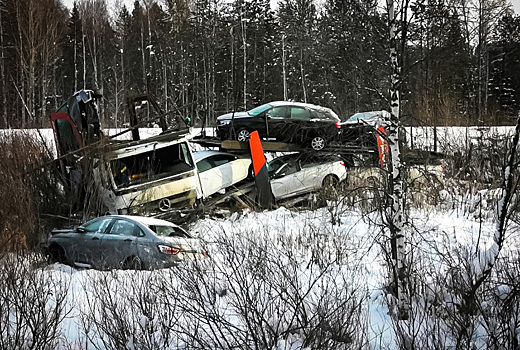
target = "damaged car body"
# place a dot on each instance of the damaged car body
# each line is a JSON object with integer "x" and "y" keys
{"x": 147, "y": 178}
{"x": 154, "y": 176}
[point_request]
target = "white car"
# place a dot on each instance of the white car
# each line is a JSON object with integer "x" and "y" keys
{"x": 296, "y": 174}
{"x": 219, "y": 170}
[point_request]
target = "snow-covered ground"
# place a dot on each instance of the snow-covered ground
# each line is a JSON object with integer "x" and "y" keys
{"x": 280, "y": 275}
{"x": 287, "y": 279}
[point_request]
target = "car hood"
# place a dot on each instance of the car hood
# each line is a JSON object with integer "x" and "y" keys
{"x": 62, "y": 234}
{"x": 228, "y": 116}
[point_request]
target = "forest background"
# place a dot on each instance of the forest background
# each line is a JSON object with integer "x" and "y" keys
{"x": 459, "y": 58}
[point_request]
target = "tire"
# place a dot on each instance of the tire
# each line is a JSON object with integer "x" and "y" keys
{"x": 57, "y": 254}
{"x": 133, "y": 263}
{"x": 243, "y": 135}
{"x": 318, "y": 143}
{"x": 329, "y": 186}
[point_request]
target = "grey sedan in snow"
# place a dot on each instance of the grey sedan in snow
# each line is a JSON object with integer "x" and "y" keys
{"x": 123, "y": 241}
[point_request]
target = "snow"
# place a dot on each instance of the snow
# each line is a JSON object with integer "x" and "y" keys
{"x": 265, "y": 260}
{"x": 324, "y": 256}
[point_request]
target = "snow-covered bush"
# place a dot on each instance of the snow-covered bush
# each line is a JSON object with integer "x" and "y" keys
{"x": 28, "y": 187}
{"x": 266, "y": 286}
{"x": 32, "y": 304}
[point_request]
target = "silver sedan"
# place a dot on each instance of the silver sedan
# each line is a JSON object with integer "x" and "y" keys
{"x": 122, "y": 241}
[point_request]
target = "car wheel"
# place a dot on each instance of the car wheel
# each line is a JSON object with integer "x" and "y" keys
{"x": 133, "y": 263}
{"x": 329, "y": 186}
{"x": 243, "y": 135}
{"x": 57, "y": 254}
{"x": 317, "y": 143}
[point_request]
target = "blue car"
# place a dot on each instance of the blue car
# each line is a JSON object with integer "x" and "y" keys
{"x": 123, "y": 241}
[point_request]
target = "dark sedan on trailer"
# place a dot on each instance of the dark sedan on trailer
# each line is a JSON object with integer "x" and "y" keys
{"x": 124, "y": 241}
{"x": 291, "y": 122}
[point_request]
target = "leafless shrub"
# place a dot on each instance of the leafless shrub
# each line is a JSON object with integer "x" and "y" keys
{"x": 27, "y": 189}
{"x": 257, "y": 292}
{"x": 32, "y": 304}
{"x": 130, "y": 309}
{"x": 478, "y": 160}
{"x": 448, "y": 308}
{"x": 501, "y": 307}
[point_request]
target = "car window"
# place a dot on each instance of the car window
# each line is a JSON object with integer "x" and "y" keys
{"x": 169, "y": 231}
{"x": 288, "y": 168}
{"x": 220, "y": 159}
{"x": 258, "y": 110}
{"x": 203, "y": 165}
{"x": 299, "y": 113}
{"x": 97, "y": 225}
{"x": 274, "y": 165}
{"x": 124, "y": 228}
{"x": 325, "y": 115}
{"x": 277, "y": 112}
{"x": 309, "y": 162}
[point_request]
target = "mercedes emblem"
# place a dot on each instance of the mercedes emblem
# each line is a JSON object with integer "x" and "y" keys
{"x": 164, "y": 204}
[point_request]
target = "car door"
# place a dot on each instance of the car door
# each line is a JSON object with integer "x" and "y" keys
{"x": 285, "y": 181}
{"x": 118, "y": 243}
{"x": 212, "y": 173}
{"x": 297, "y": 125}
{"x": 85, "y": 249}
{"x": 217, "y": 172}
{"x": 277, "y": 119}
{"x": 209, "y": 180}
{"x": 224, "y": 164}
{"x": 312, "y": 173}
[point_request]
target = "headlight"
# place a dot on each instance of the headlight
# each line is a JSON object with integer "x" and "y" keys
{"x": 223, "y": 122}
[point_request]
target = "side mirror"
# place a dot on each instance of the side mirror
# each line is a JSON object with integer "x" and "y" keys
{"x": 80, "y": 229}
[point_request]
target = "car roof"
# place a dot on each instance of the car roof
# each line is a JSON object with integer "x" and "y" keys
{"x": 206, "y": 153}
{"x": 368, "y": 115}
{"x": 147, "y": 221}
{"x": 322, "y": 158}
{"x": 297, "y": 104}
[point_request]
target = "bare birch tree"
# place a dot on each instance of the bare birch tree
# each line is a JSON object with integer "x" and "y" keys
{"x": 395, "y": 210}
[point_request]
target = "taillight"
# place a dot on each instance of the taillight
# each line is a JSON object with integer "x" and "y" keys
{"x": 342, "y": 163}
{"x": 165, "y": 249}
{"x": 338, "y": 125}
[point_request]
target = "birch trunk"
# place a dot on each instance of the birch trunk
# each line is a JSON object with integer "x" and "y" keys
{"x": 395, "y": 209}
{"x": 3, "y": 88}
{"x": 284, "y": 65}
{"x": 244, "y": 44}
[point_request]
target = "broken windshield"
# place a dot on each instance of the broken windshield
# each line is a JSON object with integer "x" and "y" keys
{"x": 151, "y": 165}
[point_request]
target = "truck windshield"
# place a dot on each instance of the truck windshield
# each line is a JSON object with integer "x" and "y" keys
{"x": 151, "y": 165}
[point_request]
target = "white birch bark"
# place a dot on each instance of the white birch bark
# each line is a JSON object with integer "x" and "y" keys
{"x": 395, "y": 209}
{"x": 244, "y": 46}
